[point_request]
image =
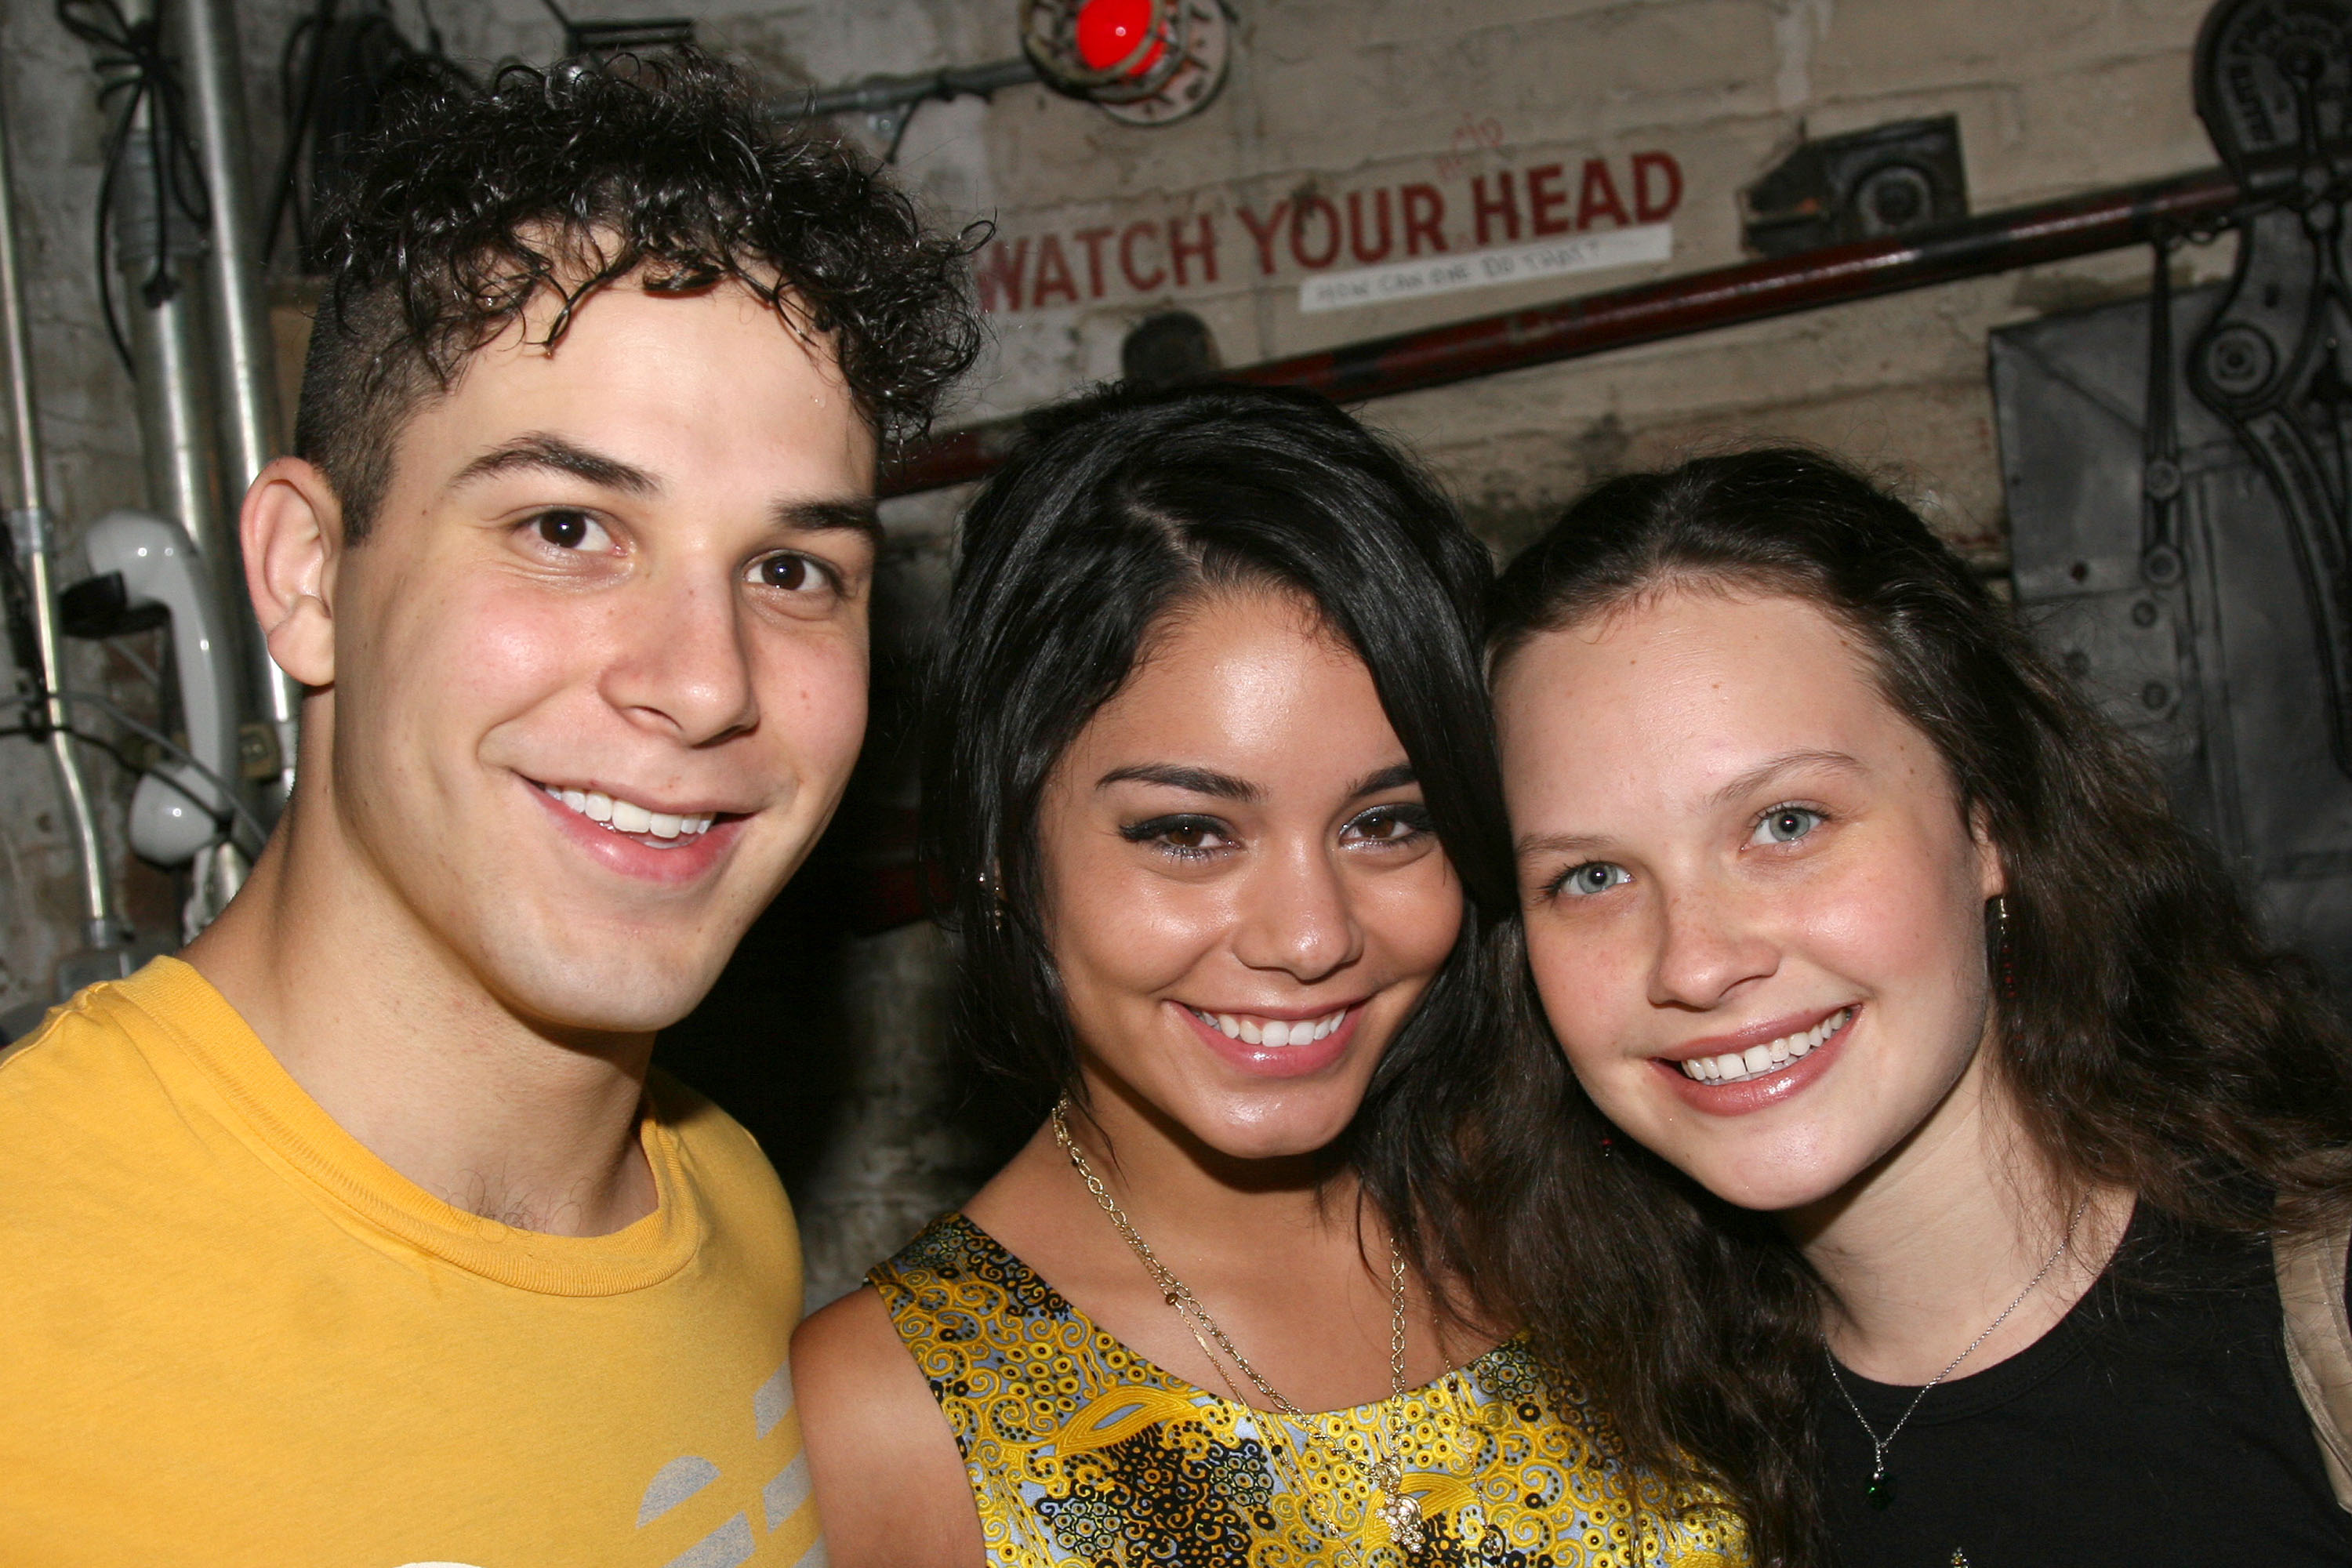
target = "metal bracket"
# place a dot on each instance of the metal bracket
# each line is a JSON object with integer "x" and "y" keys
{"x": 2271, "y": 81}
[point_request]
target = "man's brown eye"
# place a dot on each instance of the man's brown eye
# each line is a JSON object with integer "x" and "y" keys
{"x": 564, "y": 530}
{"x": 790, "y": 572}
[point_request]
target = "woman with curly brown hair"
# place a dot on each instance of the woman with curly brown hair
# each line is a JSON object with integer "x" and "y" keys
{"x": 1935, "y": 1103}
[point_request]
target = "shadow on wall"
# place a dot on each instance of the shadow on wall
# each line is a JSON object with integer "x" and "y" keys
{"x": 827, "y": 1034}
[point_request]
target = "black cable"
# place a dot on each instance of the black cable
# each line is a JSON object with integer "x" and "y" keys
{"x": 137, "y": 73}
{"x": 163, "y": 742}
{"x": 348, "y": 64}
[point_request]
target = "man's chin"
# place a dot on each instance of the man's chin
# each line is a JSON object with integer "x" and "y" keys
{"x": 638, "y": 993}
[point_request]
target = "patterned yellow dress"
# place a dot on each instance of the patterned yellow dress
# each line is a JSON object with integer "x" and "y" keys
{"x": 1082, "y": 1454}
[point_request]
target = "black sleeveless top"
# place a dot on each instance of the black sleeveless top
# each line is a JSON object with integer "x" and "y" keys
{"x": 2155, "y": 1425}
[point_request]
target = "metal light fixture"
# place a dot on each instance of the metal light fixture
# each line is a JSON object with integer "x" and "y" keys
{"x": 1145, "y": 62}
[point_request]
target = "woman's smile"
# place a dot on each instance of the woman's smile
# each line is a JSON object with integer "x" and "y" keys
{"x": 1271, "y": 1047}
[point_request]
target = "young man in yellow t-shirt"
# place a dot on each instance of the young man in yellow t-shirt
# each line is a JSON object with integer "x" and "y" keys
{"x": 359, "y": 1235}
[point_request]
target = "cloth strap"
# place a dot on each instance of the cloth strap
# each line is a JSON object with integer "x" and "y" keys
{"x": 2320, "y": 1341}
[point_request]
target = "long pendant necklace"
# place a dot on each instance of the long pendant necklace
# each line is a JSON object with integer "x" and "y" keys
{"x": 1386, "y": 1472}
{"x": 1881, "y": 1491}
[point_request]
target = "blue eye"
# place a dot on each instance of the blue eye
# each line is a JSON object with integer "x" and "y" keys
{"x": 1785, "y": 825}
{"x": 1593, "y": 876}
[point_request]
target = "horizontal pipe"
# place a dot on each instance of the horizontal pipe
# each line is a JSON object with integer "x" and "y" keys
{"x": 1694, "y": 302}
{"x": 879, "y": 94}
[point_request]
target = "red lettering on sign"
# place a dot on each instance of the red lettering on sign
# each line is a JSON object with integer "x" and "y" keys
{"x": 1330, "y": 215}
{"x": 1137, "y": 280}
{"x": 1506, "y": 206}
{"x": 1424, "y": 218}
{"x": 1000, "y": 274}
{"x": 1597, "y": 195}
{"x": 1092, "y": 239}
{"x": 1544, "y": 200}
{"x": 1206, "y": 251}
{"x": 1356, "y": 246}
{"x": 1263, "y": 234}
{"x": 1669, "y": 171}
{"x": 1053, "y": 275}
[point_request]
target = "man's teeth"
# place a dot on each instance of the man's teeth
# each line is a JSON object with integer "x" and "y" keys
{"x": 1270, "y": 1031}
{"x": 1733, "y": 1067}
{"x": 627, "y": 816}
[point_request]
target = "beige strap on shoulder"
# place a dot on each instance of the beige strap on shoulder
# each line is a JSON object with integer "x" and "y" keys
{"x": 2319, "y": 1342}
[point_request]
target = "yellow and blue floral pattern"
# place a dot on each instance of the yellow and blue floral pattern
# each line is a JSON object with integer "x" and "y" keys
{"x": 1082, "y": 1454}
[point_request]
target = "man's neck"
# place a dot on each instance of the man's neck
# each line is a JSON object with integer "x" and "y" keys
{"x": 410, "y": 1053}
{"x": 1926, "y": 1250}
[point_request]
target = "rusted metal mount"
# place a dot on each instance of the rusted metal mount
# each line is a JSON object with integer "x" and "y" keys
{"x": 2201, "y": 202}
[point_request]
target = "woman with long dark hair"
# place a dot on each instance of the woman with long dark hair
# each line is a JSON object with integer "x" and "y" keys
{"x": 1211, "y": 778}
{"x": 1939, "y": 1127}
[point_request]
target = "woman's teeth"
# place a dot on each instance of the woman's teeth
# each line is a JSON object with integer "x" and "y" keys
{"x": 1270, "y": 1031}
{"x": 1734, "y": 1066}
{"x": 627, "y": 816}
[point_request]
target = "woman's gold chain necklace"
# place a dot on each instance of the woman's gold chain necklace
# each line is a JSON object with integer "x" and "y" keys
{"x": 1385, "y": 1472}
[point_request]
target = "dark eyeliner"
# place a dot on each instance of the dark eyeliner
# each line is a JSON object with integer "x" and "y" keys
{"x": 1141, "y": 832}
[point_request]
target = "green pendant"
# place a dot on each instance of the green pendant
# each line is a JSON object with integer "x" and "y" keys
{"x": 1881, "y": 1491}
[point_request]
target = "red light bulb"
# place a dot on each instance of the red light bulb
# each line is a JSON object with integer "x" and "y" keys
{"x": 1111, "y": 30}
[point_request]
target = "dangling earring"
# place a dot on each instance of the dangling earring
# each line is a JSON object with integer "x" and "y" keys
{"x": 2008, "y": 967}
{"x": 995, "y": 890}
{"x": 1608, "y": 1147}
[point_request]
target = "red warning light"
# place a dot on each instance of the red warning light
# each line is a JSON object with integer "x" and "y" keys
{"x": 1110, "y": 31}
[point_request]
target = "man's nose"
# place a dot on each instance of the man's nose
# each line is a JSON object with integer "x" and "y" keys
{"x": 681, "y": 665}
{"x": 1297, "y": 918}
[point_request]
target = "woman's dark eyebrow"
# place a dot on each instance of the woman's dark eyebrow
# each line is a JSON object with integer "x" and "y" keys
{"x": 1175, "y": 775}
{"x": 1395, "y": 776}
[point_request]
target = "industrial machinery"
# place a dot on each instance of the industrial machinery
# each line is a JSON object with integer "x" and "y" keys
{"x": 2178, "y": 476}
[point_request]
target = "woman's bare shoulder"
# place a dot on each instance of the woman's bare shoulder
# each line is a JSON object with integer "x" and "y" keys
{"x": 889, "y": 1481}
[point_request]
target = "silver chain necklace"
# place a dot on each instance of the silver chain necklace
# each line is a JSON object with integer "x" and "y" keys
{"x": 1881, "y": 1491}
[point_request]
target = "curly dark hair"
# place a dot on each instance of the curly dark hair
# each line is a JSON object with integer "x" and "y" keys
{"x": 469, "y": 202}
{"x": 2150, "y": 1038}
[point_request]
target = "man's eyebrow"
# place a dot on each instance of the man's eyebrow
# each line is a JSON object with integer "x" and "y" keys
{"x": 555, "y": 455}
{"x": 1786, "y": 762}
{"x": 1175, "y": 775}
{"x": 857, "y": 515}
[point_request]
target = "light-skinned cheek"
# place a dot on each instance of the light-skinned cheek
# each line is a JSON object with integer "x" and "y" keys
{"x": 1589, "y": 989}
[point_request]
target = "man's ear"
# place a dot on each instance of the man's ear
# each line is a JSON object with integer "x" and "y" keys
{"x": 291, "y": 529}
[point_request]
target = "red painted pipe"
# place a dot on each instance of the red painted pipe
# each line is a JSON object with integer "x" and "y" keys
{"x": 1672, "y": 306}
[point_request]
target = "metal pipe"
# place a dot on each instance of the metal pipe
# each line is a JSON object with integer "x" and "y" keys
{"x": 245, "y": 366}
{"x": 1696, "y": 302}
{"x": 169, "y": 351}
{"x": 29, "y": 530}
{"x": 160, "y": 252}
{"x": 879, "y": 94}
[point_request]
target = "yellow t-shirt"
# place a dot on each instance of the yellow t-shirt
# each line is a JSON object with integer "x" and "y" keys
{"x": 231, "y": 1335}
